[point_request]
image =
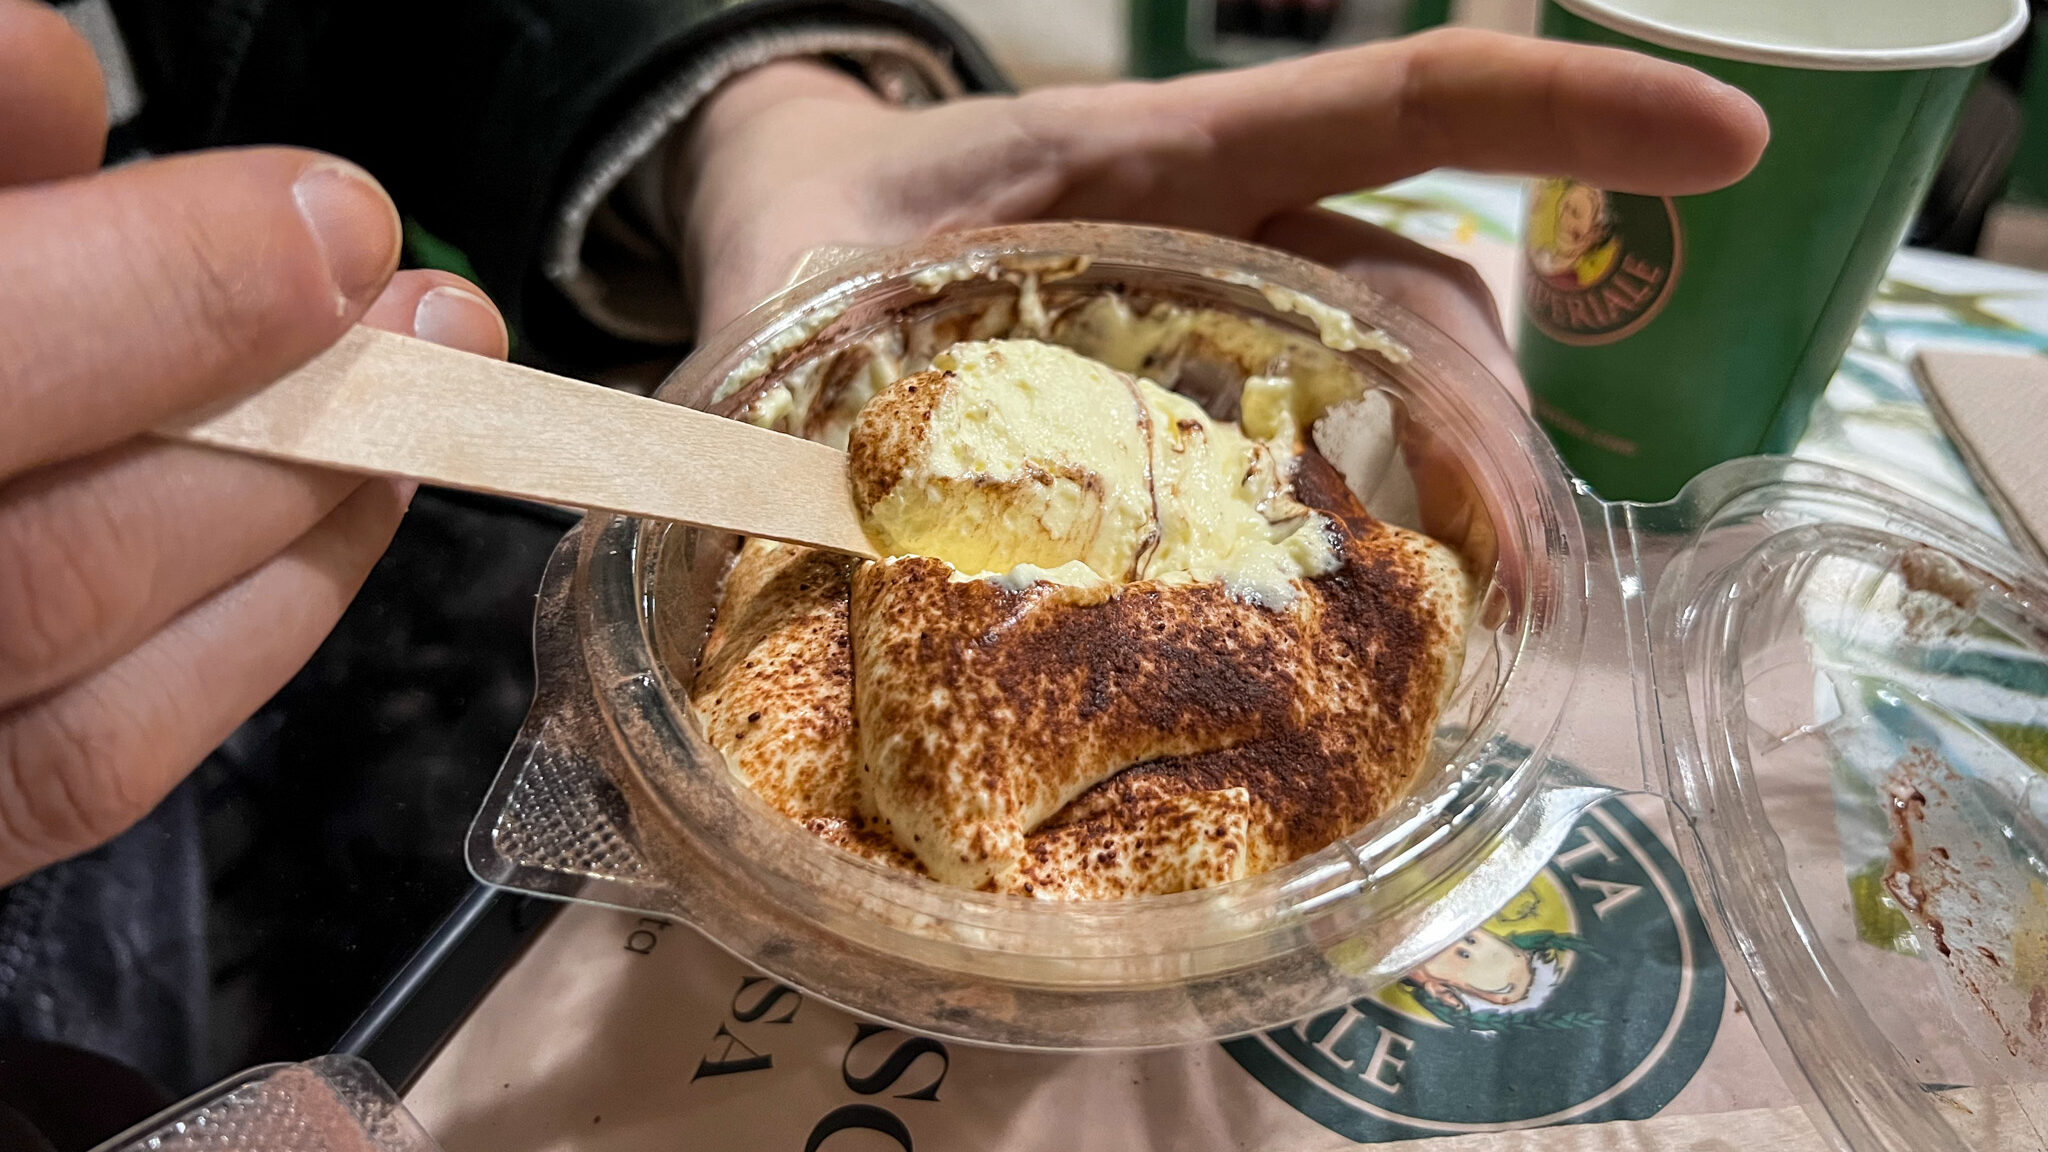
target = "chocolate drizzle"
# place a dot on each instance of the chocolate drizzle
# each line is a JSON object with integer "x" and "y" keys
{"x": 1150, "y": 545}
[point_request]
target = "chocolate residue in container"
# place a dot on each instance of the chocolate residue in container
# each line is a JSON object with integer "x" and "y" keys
{"x": 1930, "y": 570}
{"x": 1941, "y": 598}
{"x": 1948, "y": 885}
{"x": 1906, "y": 806}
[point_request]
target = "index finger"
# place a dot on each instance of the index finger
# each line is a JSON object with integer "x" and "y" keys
{"x": 1227, "y": 150}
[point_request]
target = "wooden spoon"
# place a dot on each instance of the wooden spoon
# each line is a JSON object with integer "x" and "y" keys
{"x": 395, "y": 406}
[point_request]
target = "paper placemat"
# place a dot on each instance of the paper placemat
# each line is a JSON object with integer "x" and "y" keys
{"x": 1594, "y": 995}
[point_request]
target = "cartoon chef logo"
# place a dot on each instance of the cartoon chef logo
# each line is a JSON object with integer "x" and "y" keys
{"x": 1488, "y": 981}
{"x": 1597, "y": 265}
{"x": 1595, "y": 994}
{"x": 1571, "y": 235}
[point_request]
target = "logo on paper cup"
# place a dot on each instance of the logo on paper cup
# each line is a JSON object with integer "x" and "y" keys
{"x": 1597, "y": 265}
{"x": 1593, "y": 995}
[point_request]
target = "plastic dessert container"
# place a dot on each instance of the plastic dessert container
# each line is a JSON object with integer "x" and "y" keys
{"x": 1798, "y": 666}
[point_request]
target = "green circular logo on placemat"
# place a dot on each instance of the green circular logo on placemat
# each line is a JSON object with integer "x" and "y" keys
{"x": 1594, "y": 995}
{"x": 1597, "y": 266}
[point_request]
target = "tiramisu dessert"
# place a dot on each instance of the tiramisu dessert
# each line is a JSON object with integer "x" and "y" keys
{"x": 1120, "y": 646}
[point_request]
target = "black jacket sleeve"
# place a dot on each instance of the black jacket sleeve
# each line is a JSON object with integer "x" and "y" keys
{"x": 473, "y": 113}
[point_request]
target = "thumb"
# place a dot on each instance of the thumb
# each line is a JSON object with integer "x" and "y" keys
{"x": 53, "y": 112}
{"x": 145, "y": 291}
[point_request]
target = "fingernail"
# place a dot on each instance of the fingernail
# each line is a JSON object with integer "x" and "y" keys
{"x": 354, "y": 223}
{"x": 459, "y": 319}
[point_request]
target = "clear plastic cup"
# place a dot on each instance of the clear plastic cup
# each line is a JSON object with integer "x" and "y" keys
{"x": 627, "y": 603}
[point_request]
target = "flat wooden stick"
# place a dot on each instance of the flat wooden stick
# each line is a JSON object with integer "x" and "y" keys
{"x": 395, "y": 406}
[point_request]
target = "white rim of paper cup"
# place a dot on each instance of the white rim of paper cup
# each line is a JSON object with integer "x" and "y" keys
{"x": 1681, "y": 37}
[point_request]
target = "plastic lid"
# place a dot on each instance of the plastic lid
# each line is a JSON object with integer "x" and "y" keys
{"x": 1853, "y": 700}
{"x": 329, "y": 1104}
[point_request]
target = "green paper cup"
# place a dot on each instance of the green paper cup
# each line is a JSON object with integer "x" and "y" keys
{"x": 1661, "y": 335}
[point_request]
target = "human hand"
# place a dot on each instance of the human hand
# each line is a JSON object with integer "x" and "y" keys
{"x": 153, "y": 595}
{"x": 795, "y": 156}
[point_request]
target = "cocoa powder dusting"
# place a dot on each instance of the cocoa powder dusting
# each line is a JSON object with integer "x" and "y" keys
{"x": 1201, "y": 738}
